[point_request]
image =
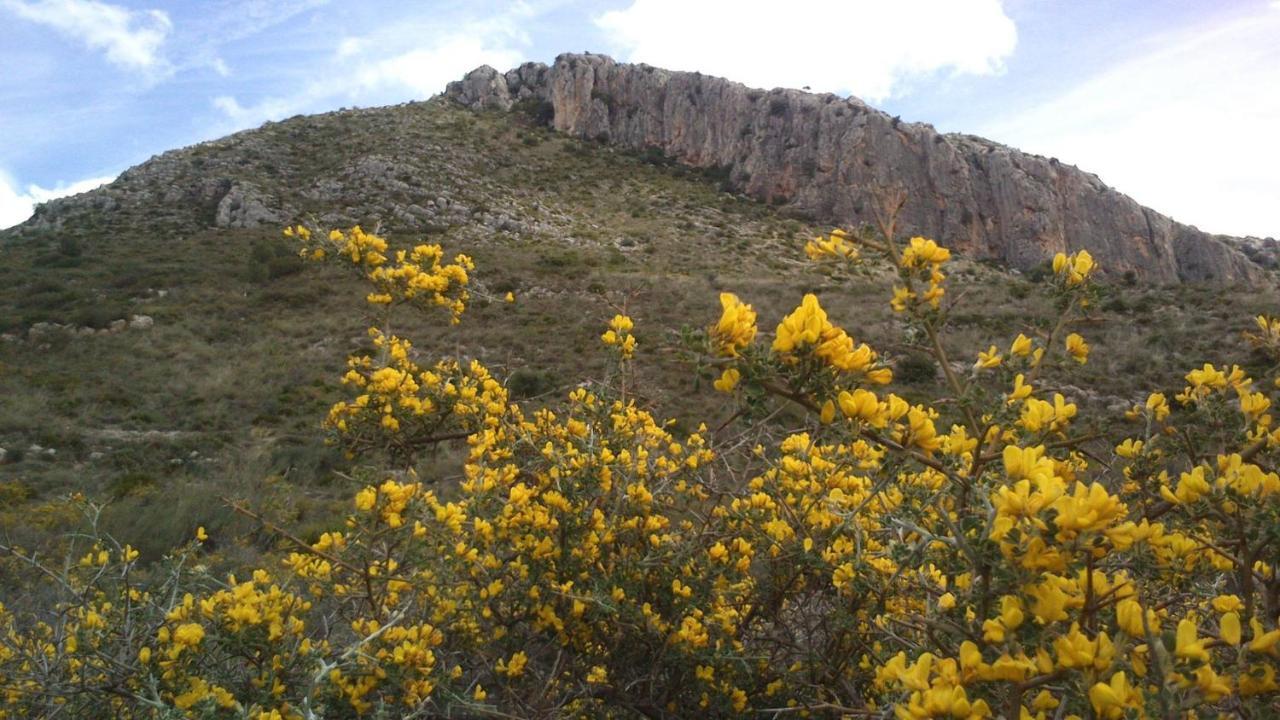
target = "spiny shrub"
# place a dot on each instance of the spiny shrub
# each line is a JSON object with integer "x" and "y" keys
{"x": 969, "y": 557}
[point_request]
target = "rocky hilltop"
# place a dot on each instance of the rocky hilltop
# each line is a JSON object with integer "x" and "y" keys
{"x": 826, "y": 156}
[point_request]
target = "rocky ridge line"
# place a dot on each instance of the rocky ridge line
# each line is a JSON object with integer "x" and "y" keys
{"x": 825, "y": 156}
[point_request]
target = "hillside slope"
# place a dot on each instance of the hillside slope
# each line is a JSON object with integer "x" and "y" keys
{"x": 221, "y": 390}
{"x": 826, "y": 156}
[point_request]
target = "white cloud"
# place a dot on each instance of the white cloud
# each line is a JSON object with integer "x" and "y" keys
{"x": 866, "y": 47}
{"x": 352, "y": 45}
{"x": 131, "y": 39}
{"x": 426, "y": 72}
{"x": 1191, "y": 129}
{"x": 269, "y": 109}
{"x": 17, "y": 205}
{"x": 399, "y": 63}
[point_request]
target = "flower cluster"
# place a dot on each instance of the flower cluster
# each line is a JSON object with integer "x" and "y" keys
{"x": 619, "y": 336}
{"x": 836, "y": 245}
{"x": 1267, "y": 338}
{"x": 403, "y": 407}
{"x": 1073, "y": 269}
{"x": 416, "y": 276}
{"x": 920, "y": 261}
{"x": 736, "y": 327}
{"x": 807, "y": 333}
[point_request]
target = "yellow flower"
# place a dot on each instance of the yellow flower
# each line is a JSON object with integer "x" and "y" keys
{"x": 1191, "y": 487}
{"x": 1021, "y": 346}
{"x": 1021, "y": 390}
{"x": 621, "y": 324}
{"x": 1130, "y": 448}
{"x": 843, "y": 576}
{"x": 1229, "y": 628}
{"x": 921, "y": 252}
{"x": 1077, "y": 348}
{"x": 513, "y": 667}
{"x": 1189, "y": 646}
{"x": 1011, "y": 617}
{"x": 988, "y": 359}
{"x": 738, "y": 699}
{"x": 366, "y": 499}
{"x": 1077, "y": 650}
{"x": 1110, "y": 700}
{"x": 1129, "y": 617}
{"x": 807, "y": 329}
{"x": 1263, "y": 642}
{"x": 188, "y": 634}
{"x": 802, "y": 327}
{"x": 1039, "y": 414}
{"x": 1227, "y": 603}
{"x": 1087, "y": 509}
{"x": 1207, "y": 378}
{"x": 833, "y": 246}
{"x": 737, "y": 325}
{"x": 1074, "y": 269}
{"x": 509, "y": 297}
{"x": 1158, "y": 406}
{"x": 1253, "y": 405}
{"x": 718, "y": 552}
{"x": 902, "y": 297}
{"x": 728, "y": 380}
{"x": 1050, "y": 600}
{"x": 827, "y": 412}
{"x": 619, "y": 335}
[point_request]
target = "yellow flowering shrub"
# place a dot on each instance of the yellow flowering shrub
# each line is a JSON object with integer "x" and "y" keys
{"x": 972, "y": 555}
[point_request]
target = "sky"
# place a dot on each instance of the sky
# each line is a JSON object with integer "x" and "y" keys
{"x": 1174, "y": 102}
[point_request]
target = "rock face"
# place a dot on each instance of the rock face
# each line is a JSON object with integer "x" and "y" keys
{"x": 827, "y": 156}
{"x": 245, "y": 206}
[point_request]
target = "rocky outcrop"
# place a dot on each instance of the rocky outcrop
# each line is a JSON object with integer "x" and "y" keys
{"x": 828, "y": 156}
{"x": 246, "y": 206}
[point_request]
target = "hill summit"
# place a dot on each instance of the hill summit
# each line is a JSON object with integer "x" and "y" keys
{"x": 827, "y": 156}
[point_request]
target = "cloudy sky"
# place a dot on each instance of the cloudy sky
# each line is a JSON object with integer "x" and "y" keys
{"x": 1175, "y": 102}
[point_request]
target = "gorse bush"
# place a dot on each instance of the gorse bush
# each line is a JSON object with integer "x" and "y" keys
{"x": 974, "y": 556}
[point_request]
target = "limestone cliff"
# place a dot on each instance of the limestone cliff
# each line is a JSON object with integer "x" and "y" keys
{"x": 826, "y": 156}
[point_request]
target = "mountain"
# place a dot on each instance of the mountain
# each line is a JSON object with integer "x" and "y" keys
{"x": 826, "y": 156}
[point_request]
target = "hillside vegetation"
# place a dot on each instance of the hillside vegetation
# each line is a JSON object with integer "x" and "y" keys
{"x": 222, "y": 396}
{"x": 574, "y": 432}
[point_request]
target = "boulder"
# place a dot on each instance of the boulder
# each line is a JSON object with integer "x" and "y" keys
{"x": 245, "y": 206}
{"x": 483, "y": 88}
